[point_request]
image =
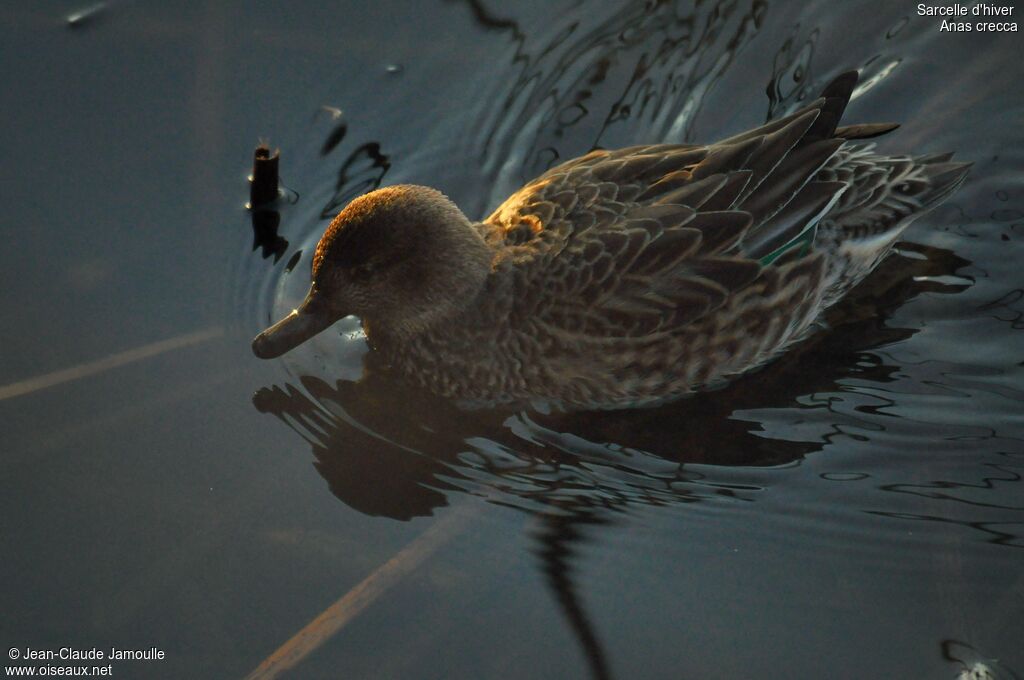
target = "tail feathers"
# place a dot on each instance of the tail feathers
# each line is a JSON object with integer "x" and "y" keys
{"x": 892, "y": 194}
{"x": 865, "y": 131}
{"x": 887, "y": 193}
{"x": 942, "y": 178}
{"x": 804, "y": 173}
{"x": 933, "y": 158}
{"x": 837, "y": 96}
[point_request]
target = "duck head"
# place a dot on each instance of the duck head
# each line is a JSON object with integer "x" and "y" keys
{"x": 400, "y": 258}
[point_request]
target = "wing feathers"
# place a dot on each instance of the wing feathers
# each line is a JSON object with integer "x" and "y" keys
{"x": 667, "y": 251}
{"x": 799, "y": 215}
{"x": 646, "y": 238}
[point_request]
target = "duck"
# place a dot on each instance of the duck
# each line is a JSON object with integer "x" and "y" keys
{"x": 622, "y": 278}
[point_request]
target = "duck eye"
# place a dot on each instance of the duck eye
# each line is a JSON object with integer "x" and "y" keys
{"x": 363, "y": 271}
{"x": 904, "y": 188}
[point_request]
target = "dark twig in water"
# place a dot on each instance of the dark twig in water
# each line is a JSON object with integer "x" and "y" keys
{"x": 264, "y": 175}
{"x": 263, "y": 191}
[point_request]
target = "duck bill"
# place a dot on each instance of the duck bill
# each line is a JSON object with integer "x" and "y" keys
{"x": 312, "y": 317}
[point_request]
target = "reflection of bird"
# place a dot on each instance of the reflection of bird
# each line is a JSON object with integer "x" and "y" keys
{"x": 625, "y": 277}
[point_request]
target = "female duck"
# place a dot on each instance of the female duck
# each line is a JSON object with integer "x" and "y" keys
{"x": 621, "y": 278}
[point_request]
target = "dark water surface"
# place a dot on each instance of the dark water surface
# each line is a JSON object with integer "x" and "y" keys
{"x": 854, "y": 510}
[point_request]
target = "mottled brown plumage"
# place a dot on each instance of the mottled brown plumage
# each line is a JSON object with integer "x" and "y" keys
{"x": 625, "y": 277}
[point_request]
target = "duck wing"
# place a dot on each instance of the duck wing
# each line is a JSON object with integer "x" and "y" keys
{"x": 641, "y": 240}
